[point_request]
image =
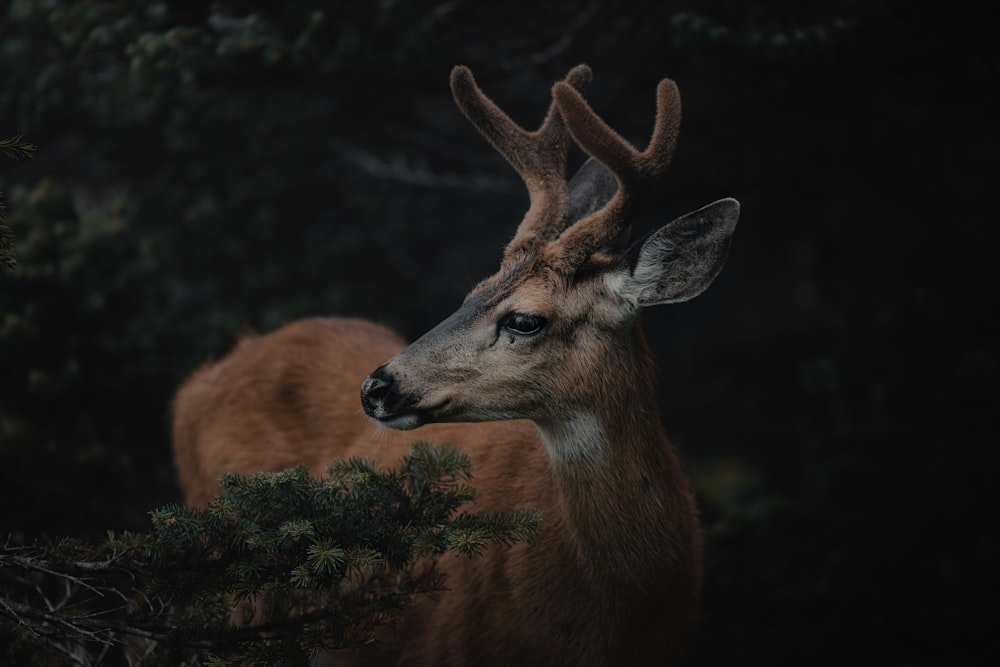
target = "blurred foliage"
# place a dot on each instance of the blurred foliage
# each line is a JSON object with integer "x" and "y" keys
{"x": 206, "y": 167}
{"x": 15, "y": 148}
{"x": 305, "y": 565}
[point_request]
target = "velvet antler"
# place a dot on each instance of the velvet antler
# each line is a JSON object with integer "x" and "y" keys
{"x": 636, "y": 171}
{"x": 539, "y": 156}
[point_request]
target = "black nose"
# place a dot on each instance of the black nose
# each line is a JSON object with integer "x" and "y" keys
{"x": 376, "y": 391}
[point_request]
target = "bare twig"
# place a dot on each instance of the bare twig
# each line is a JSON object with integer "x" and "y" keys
{"x": 402, "y": 170}
{"x": 561, "y": 44}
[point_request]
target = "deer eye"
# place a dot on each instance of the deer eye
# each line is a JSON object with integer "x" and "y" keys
{"x": 523, "y": 324}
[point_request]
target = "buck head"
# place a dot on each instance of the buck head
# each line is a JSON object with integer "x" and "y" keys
{"x": 547, "y": 336}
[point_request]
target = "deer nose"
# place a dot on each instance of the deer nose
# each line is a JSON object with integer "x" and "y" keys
{"x": 376, "y": 393}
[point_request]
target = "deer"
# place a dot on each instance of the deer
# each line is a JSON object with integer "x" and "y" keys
{"x": 543, "y": 375}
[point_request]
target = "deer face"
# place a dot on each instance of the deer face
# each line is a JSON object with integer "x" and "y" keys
{"x": 530, "y": 333}
{"x": 522, "y": 337}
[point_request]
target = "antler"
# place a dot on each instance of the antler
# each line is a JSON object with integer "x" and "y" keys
{"x": 539, "y": 156}
{"x": 636, "y": 171}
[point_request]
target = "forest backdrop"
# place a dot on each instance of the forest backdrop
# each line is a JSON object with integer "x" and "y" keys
{"x": 207, "y": 168}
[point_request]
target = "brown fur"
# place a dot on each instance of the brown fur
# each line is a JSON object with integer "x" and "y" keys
{"x": 615, "y": 576}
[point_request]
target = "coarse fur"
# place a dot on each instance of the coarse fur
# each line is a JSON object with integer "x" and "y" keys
{"x": 543, "y": 376}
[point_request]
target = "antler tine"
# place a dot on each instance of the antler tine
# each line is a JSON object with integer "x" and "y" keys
{"x": 539, "y": 156}
{"x": 636, "y": 171}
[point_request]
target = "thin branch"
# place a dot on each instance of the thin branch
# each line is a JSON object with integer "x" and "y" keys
{"x": 37, "y": 565}
{"x": 561, "y": 44}
{"x": 401, "y": 170}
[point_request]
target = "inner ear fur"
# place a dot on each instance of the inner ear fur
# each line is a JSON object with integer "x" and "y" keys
{"x": 681, "y": 259}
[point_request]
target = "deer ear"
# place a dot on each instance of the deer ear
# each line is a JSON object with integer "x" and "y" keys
{"x": 680, "y": 260}
{"x": 591, "y": 188}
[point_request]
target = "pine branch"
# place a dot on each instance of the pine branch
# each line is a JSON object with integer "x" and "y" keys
{"x": 308, "y": 564}
{"x": 17, "y": 148}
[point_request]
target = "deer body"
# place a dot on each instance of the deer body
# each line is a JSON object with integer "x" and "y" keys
{"x": 543, "y": 376}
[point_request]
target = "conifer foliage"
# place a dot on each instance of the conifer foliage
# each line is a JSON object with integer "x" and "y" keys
{"x": 17, "y": 148}
{"x": 280, "y": 567}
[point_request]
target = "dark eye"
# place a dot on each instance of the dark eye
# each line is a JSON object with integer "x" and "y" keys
{"x": 523, "y": 324}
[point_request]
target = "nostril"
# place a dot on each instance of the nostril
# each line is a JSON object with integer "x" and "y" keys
{"x": 376, "y": 391}
{"x": 376, "y": 387}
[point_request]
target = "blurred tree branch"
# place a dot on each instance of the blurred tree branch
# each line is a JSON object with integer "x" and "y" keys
{"x": 404, "y": 170}
{"x": 16, "y": 148}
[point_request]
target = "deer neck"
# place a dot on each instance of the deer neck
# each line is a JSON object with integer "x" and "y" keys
{"x": 624, "y": 497}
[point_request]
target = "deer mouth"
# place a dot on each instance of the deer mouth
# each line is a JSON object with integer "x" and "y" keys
{"x": 404, "y": 422}
{"x": 384, "y": 401}
{"x": 404, "y": 417}
{"x": 409, "y": 418}
{"x": 400, "y": 418}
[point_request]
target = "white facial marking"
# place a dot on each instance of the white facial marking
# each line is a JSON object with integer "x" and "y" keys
{"x": 579, "y": 439}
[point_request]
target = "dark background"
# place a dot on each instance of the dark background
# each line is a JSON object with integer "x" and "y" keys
{"x": 204, "y": 168}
